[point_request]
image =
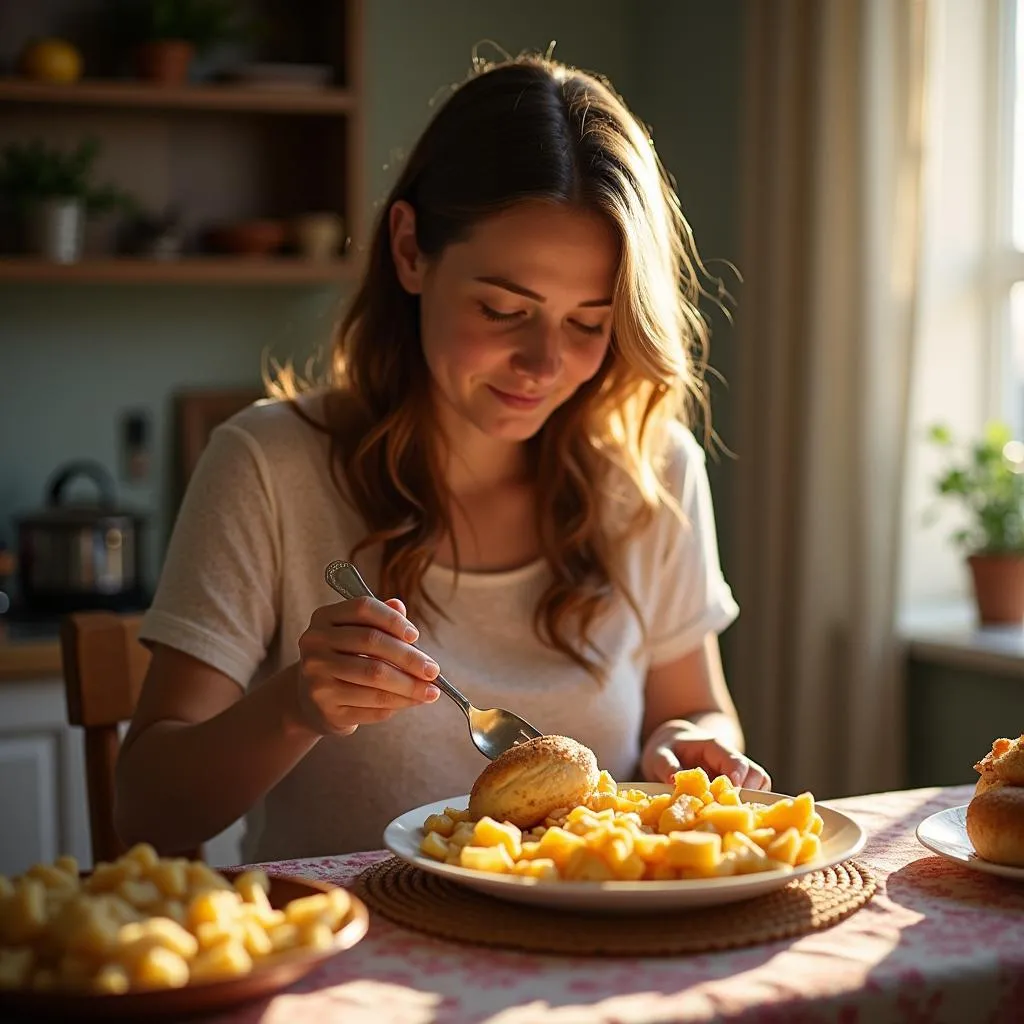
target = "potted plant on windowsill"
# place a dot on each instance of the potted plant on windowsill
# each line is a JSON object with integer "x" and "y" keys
{"x": 54, "y": 191}
{"x": 165, "y": 35}
{"x": 987, "y": 479}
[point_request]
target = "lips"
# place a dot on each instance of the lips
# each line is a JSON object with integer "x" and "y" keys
{"x": 515, "y": 401}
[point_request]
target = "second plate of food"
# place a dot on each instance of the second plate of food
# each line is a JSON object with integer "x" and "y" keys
{"x": 945, "y": 833}
{"x": 841, "y": 838}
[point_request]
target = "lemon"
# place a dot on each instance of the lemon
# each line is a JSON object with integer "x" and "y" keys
{"x": 51, "y": 60}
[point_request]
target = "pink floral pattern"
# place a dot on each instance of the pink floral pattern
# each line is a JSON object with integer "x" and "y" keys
{"x": 938, "y": 944}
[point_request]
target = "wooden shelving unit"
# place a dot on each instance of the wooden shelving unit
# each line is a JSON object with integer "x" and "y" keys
{"x": 216, "y": 151}
{"x": 188, "y": 270}
{"x": 117, "y": 93}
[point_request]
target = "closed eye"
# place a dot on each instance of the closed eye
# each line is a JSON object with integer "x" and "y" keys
{"x": 497, "y": 316}
{"x": 588, "y": 328}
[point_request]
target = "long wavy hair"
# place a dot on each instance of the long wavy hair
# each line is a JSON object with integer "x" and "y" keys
{"x": 527, "y": 128}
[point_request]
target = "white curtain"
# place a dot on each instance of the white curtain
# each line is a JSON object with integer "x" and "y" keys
{"x": 831, "y": 215}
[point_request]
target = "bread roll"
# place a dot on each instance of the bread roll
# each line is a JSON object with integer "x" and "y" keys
{"x": 995, "y": 815}
{"x": 525, "y": 784}
{"x": 995, "y": 824}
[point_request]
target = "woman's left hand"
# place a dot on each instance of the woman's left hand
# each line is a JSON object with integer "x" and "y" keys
{"x": 677, "y": 745}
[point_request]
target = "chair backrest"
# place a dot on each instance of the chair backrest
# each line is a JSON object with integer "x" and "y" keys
{"x": 104, "y": 665}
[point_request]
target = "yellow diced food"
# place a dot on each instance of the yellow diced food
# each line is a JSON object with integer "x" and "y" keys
{"x": 652, "y": 847}
{"x": 434, "y": 845}
{"x": 140, "y": 893}
{"x": 786, "y": 846}
{"x": 495, "y": 859}
{"x": 698, "y": 851}
{"x": 214, "y": 905}
{"x": 789, "y": 813}
{"x": 456, "y": 815}
{"x": 764, "y": 837}
{"x": 650, "y": 814}
{"x": 68, "y": 865}
{"x": 691, "y": 782}
{"x": 144, "y": 855}
{"x": 315, "y": 935}
{"x": 170, "y": 877}
{"x": 681, "y": 814}
{"x": 587, "y": 866}
{"x": 530, "y": 850}
{"x": 16, "y": 966}
{"x": 810, "y": 847}
{"x": 816, "y": 825}
{"x": 227, "y": 960}
{"x": 52, "y": 877}
{"x": 489, "y": 832}
{"x": 111, "y": 979}
{"x": 542, "y": 868}
{"x": 728, "y": 819}
{"x": 439, "y": 823}
{"x": 24, "y": 915}
{"x": 159, "y": 967}
{"x": 157, "y": 931}
{"x": 606, "y": 784}
{"x": 107, "y": 876}
{"x": 721, "y": 784}
{"x": 559, "y": 845}
{"x": 255, "y": 939}
{"x": 283, "y": 936}
{"x": 320, "y": 907}
{"x": 252, "y": 885}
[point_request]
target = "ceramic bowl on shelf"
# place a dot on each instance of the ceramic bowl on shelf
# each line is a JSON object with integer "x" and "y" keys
{"x": 249, "y": 237}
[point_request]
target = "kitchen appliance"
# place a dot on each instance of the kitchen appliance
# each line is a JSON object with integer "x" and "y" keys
{"x": 80, "y": 555}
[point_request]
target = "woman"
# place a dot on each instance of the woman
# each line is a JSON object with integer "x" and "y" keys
{"x": 500, "y": 447}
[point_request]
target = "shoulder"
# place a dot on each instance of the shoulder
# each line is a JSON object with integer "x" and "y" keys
{"x": 276, "y": 430}
{"x": 682, "y": 459}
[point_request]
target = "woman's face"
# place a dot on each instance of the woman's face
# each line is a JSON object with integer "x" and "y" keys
{"x": 516, "y": 317}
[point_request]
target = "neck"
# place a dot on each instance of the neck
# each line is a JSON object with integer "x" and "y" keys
{"x": 473, "y": 462}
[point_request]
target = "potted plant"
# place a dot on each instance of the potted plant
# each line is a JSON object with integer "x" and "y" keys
{"x": 165, "y": 35}
{"x": 54, "y": 192}
{"x": 987, "y": 479}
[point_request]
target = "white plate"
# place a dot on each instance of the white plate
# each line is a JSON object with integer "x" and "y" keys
{"x": 840, "y": 838}
{"x": 945, "y": 833}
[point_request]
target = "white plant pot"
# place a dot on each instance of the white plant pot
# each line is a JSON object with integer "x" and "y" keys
{"x": 55, "y": 228}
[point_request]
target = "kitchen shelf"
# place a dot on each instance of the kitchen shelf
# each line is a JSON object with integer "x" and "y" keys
{"x": 139, "y": 95}
{"x": 188, "y": 270}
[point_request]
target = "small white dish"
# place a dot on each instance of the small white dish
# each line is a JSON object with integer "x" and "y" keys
{"x": 841, "y": 838}
{"x": 945, "y": 833}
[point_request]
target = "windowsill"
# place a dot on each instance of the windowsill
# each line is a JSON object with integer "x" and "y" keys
{"x": 948, "y": 633}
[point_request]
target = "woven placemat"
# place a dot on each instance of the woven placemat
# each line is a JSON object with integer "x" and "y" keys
{"x": 427, "y": 903}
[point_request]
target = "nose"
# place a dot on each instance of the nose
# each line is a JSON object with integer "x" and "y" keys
{"x": 539, "y": 357}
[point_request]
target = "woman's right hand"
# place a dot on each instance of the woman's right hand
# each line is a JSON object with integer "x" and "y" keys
{"x": 357, "y": 666}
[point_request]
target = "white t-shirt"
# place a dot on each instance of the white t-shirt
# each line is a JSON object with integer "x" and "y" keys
{"x": 244, "y": 572}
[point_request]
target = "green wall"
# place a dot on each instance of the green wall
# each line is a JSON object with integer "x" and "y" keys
{"x": 73, "y": 359}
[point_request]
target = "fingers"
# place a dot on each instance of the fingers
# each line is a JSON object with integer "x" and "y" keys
{"x": 384, "y": 683}
{"x": 368, "y": 611}
{"x": 660, "y": 764}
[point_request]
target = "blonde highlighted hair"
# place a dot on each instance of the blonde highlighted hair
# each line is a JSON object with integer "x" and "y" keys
{"x": 527, "y": 128}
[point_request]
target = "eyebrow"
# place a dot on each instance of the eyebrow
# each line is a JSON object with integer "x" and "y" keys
{"x": 518, "y": 289}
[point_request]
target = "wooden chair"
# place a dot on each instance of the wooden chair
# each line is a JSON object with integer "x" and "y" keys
{"x": 104, "y": 665}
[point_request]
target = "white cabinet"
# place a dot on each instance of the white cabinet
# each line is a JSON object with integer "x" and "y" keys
{"x": 43, "y": 810}
{"x": 43, "y": 805}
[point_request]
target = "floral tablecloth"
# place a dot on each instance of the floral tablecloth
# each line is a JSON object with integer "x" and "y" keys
{"x": 938, "y": 943}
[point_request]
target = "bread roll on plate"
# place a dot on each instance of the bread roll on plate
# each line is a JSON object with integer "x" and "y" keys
{"x": 995, "y": 815}
{"x": 529, "y": 781}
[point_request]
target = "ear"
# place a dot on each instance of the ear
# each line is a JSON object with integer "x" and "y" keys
{"x": 410, "y": 263}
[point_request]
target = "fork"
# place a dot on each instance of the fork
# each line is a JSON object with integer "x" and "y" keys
{"x": 493, "y": 730}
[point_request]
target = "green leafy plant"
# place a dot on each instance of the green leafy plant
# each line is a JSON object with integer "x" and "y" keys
{"x": 34, "y": 172}
{"x": 203, "y": 23}
{"x": 986, "y": 477}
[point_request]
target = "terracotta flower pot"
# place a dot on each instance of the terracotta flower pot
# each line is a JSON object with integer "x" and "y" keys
{"x": 165, "y": 61}
{"x": 998, "y": 588}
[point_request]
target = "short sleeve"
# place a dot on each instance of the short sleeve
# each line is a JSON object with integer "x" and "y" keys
{"x": 688, "y": 596}
{"x": 217, "y": 594}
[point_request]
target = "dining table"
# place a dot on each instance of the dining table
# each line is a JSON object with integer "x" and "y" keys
{"x": 937, "y": 943}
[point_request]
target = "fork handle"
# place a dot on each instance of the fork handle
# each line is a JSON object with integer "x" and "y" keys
{"x": 344, "y": 578}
